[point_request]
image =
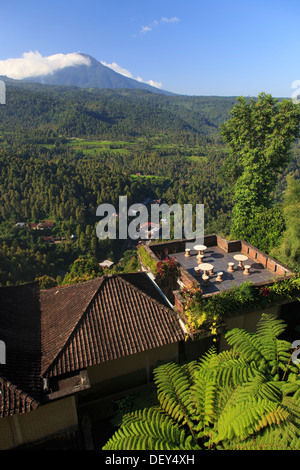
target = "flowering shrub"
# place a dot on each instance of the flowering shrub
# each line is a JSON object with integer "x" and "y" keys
{"x": 192, "y": 294}
{"x": 289, "y": 288}
{"x": 196, "y": 316}
{"x": 265, "y": 292}
{"x": 207, "y": 313}
{"x": 167, "y": 268}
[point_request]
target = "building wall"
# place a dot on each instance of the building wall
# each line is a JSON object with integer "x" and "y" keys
{"x": 247, "y": 321}
{"x": 141, "y": 363}
{"x": 38, "y": 424}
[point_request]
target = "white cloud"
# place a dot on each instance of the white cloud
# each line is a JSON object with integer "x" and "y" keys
{"x": 174, "y": 19}
{"x": 33, "y": 64}
{"x": 146, "y": 29}
{"x": 117, "y": 68}
{"x": 164, "y": 19}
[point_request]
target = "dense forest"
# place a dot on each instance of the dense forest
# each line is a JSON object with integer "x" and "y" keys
{"x": 64, "y": 151}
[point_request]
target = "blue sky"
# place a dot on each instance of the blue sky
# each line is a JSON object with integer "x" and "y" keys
{"x": 192, "y": 47}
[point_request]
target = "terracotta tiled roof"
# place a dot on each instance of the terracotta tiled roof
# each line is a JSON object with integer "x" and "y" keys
{"x": 13, "y": 400}
{"x": 57, "y": 331}
{"x": 114, "y": 319}
{"x": 62, "y": 308}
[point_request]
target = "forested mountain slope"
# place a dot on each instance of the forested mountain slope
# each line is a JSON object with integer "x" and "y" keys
{"x": 108, "y": 113}
{"x": 66, "y": 150}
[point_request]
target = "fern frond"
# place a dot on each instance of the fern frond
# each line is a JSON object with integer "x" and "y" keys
{"x": 205, "y": 397}
{"x": 270, "y": 326}
{"x": 209, "y": 359}
{"x": 229, "y": 367}
{"x": 272, "y": 438}
{"x": 260, "y": 386}
{"x": 275, "y": 351}
{"x": 150, "y": 430}
{"x": 293, "y": 406}
{"x": 189, "y": 369}
{"x": 246, "y": 344}
{"x": 248, "y": 418}
{"x": 235, "y": 371}
{"x": 173, "y": 392}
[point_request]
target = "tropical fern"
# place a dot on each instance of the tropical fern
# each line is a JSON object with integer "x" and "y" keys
{"x": 274, "y": 350}
{"x": 150, "y": 429}
{"x": 173, "y": 392}
{"x": 247, "y": 397}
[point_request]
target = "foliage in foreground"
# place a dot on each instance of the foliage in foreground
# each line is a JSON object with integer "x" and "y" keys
{"x": 247, "y": 397}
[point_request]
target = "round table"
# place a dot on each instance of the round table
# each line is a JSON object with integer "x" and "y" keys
{"x": 200, "y": 249}
{"x": 205, "y": 267}
{"x": 240, "y": 258}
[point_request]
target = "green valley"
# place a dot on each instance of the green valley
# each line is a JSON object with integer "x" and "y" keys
{"x": 64, "y": 151}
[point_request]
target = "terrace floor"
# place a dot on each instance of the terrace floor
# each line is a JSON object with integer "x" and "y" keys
{"x": 220, "y": 259}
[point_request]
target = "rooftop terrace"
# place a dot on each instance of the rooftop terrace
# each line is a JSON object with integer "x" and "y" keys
{"x": 220, "y": 252}
{"x": 219, "y": 259}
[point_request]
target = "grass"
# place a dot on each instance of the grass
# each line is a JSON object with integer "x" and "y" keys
{"x": 98, "y": 147}
{"x": 91, "y": 147}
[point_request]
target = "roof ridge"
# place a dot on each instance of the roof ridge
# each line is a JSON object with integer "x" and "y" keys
{"x": 71, "y": 285}
{"x": 102, "y": 279}
{"x": 110, "y": 293}
{"x": 160, "y": 304}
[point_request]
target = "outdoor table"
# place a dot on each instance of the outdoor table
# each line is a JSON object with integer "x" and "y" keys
{"x": 205, "y": 267}
{"x": 200, "y": 249}
{"x": 240, "y": 258}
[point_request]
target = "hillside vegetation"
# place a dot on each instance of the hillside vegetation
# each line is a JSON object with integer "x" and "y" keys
{"x": 64, "y": 151}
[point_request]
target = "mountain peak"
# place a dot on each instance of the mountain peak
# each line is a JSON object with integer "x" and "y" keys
{"x": 92, "y": 74}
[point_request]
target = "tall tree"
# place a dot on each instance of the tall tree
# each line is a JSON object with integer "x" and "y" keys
{"x": 259, "y": 133}
{"x": 288, "y": 250}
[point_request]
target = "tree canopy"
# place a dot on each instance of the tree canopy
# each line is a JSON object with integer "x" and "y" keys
{"x": 260, "y": 133}
{"x": 288, "y": 250}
